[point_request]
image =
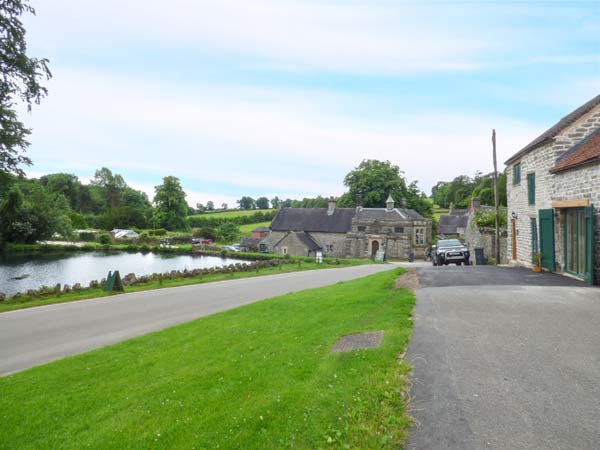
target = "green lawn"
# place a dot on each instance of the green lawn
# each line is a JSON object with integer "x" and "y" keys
{"x": 256, "y": 377}
{"x": 247, "y": 229}
{"x": 229, "y": 214}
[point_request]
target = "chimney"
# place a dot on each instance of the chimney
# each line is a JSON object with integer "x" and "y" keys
{"x": 404, "y": 202}
{"x": 451, "y": 209}
{"x": 389, "y": 202}
{"x": 331, "y": 205}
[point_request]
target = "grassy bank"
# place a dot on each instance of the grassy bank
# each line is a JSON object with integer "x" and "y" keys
{"x": 289, "y": 265}
{"x": 256, "y": 377}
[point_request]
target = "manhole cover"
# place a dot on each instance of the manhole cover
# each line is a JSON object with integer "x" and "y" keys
{"x": 356, "y": 341}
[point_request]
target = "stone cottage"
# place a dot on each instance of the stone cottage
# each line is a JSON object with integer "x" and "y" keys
{"x": 454, "y": 224}
{"x": 553, "y": 185}
{"x": 349, "y": 232}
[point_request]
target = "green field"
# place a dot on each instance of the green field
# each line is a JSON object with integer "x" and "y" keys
{"x": 256, "y": 377}
{"x": 229, "y": 214}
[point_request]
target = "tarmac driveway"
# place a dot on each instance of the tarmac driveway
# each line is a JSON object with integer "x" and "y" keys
{"x": 504, "y": 359}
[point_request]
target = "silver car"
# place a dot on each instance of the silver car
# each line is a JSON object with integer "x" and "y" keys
{"x": 450, "y": 251}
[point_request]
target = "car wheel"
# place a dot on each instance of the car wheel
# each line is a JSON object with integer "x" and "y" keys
{"x": 459, "y": 263}
{"x": 445, "y": 263}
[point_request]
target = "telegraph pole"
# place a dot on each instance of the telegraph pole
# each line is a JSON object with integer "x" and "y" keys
{"x": 496, "y": 199}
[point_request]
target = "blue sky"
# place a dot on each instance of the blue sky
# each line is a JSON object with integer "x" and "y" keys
{"x": 285, "y": 97}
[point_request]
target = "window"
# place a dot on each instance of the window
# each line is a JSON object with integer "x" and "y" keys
{"x": 362, "y": 228}
{"x": 534, "y": 236}
{"x": 284, "y": 250}
{"x": 517, "y": 174}
{"x": 399, "y": 229}
{"x": 419, "y": 236}
{"x": 531, "y": 188}
{"x": 329, "y": 248}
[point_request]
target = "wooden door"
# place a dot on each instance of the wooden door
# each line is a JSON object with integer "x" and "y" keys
{"x": 374, "y": 248}
{"x": 547, "y": 238}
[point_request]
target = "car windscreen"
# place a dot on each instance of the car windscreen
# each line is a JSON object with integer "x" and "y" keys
{"x": 450, "y": 243}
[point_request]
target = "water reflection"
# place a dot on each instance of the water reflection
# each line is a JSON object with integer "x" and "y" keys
{"x": 20, "y": 272}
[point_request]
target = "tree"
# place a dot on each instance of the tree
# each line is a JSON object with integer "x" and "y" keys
{"x": 200, "y": 207}
{"x": 210, "y": 205}
{"x": 110, "y": 185}
{"x": 372, "y": 181}
{"x": 247, "y": 203}
{"x": 227, "y": 232}
{"x": 170, "y": 206}
{"x": 29, "y": 213}
{"x": 20, "y": 80}
{"x": 63, "y": 183}
{"x": 224, "y": 206}
{"x": 262, "y": 203}
{"x": 275, "y": 201}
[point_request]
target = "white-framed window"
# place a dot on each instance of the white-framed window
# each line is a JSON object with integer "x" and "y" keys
{"x": 329, "y": 248}
{"x": 419, "y": 236}
{"x": 284, "y": 250}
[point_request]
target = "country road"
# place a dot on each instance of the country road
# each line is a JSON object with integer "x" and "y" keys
{"x": 34, "y": 336}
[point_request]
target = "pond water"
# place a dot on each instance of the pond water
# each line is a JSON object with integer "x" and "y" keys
{"x": 20, "y": 272}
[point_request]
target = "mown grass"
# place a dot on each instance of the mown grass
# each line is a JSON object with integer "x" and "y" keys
{"x": 230, "y": 214}
{"x": 292, "y": 265}
{"x": 256, "y": 377}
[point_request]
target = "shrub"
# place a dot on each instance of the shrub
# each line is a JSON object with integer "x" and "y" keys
{"x": 104, "y": 238}
{"x": 487, "y": 218}
{"x": 87, "y": 237}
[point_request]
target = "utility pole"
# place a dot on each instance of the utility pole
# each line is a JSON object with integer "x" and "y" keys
{"x": 496, "y": 199}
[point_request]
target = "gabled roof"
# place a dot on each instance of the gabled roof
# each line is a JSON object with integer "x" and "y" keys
{"x": 313, "y": 219}
{"x": 584, "y": 152}
{"x": 387, "y": 214}
{"x": 451, "y": 224}
{"x": 308, "y": 241}
{"x": 249, "y": 241}
{"x": 551, "y": 132}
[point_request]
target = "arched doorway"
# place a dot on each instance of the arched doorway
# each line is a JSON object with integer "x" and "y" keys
{"x": 374, "y": 248}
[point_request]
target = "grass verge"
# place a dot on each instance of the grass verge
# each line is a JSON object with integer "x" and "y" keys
{"x": 293, "y": 265}
{"x": 256, "y": 377}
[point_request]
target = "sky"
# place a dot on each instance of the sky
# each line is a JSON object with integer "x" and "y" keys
{"x": 279, "y": 97}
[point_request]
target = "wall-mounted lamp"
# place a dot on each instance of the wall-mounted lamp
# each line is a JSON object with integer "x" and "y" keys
{"x": 514, "y": 215}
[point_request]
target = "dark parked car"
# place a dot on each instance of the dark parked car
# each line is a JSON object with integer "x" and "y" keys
{"x": 450, "y": 251}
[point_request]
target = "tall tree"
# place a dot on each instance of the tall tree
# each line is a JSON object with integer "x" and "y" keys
{"x": 170, "y": 206}
{"x": 20, "y": 81}
{"x": 246, "y": 203}
{"x": 110, "y": 184}
{"x": 262, "y": 203}
{"x": 210, "y": 205}
{"x": 275, "y": 201}
{"x": 374, "y": 180}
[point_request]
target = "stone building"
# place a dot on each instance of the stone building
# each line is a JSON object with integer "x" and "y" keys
{"x": 553, "y": 185}
{"x": 454, "y": 224}
{"x": 349, "y": 232}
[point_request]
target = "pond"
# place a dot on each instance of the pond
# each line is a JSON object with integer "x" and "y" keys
{"x": 20, "y": 272}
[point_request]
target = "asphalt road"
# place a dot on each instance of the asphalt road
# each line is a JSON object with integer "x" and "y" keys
{"x": 504, "y": 359}
{"x": 34, "y": 336}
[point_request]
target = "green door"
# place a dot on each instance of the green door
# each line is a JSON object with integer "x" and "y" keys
{"x": 547, "y": 238}
{"x": 589, "y": 244}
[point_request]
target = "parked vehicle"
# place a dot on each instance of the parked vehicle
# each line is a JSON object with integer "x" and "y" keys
{"x": 230, "y": 248}
{"x": 205, "y": 241}
{"x": 450, "y": 251}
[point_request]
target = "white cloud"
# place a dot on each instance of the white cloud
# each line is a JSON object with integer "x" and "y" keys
{"x": 262, "y": 141}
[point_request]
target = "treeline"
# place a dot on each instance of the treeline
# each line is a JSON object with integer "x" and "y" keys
{"x": 37, "y": 209}
{"x": 463, "y": 188}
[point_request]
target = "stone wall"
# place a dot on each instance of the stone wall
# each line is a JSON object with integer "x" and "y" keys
{"x": 539, "y": 161}
{"x": 337, "y": 240}
{"x": 485, "y": 238}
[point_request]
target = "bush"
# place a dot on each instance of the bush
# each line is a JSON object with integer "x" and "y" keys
{"x": 157, "y": 232}
{"x": 104, "y": 238}
{"x": 87, "y": 237}
{"x": 487, "y": 218}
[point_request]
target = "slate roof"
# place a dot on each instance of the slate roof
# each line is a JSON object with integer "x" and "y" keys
{"x": 308, "y": 241}
{"x": 260, "y": 229}
{"x": 313, "y": 219}
{"x": 551, "y": 132}
{"x": 450, "y": 224}
{"x": 387, "y": 214}
{"x": 584, "y": 152}
{"x": 250, "y": 241}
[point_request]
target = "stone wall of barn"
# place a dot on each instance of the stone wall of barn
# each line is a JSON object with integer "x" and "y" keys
{"x": 540, "y": 161}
